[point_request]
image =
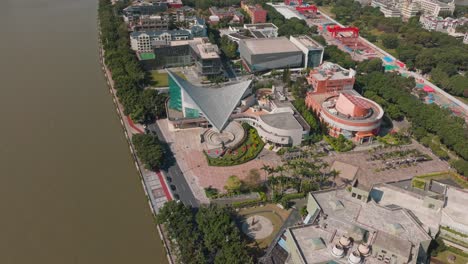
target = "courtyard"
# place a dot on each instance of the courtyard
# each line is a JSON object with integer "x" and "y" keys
{"x": 188, "y": 150}
{"x": 262, "y": 223}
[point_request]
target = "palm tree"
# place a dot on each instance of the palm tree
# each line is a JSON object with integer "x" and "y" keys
{"x": 267, "y": 170}
{"x": 280, "y": 169}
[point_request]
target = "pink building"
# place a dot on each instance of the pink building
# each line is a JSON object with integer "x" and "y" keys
{"x": 339, "y": 106}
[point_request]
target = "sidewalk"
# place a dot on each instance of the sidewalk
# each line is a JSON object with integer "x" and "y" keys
{"x": 155, "y": 186}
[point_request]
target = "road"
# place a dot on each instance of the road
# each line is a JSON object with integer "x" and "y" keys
{"x": 382, "y": 53}
{"x": 174, "y": 175}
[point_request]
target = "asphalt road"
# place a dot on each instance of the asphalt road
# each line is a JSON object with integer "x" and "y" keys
{"x": 175, "y": 178}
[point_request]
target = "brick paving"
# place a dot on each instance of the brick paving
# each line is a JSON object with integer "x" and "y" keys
{"x": 189, "y": 154}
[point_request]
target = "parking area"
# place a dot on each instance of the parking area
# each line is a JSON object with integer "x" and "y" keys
{"x": 372, "y": 170}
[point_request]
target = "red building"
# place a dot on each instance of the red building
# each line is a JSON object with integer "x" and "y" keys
{"x": 256, "y": 13}
{"x": 339, "y": 106}
{"x": 174, "y": 3}
{"x": 293, "y": 2}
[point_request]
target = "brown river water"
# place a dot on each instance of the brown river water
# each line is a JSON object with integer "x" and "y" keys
{"x": 69, "y": 191}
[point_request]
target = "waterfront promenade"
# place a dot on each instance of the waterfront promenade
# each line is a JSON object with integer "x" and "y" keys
{"x": 153, "y": 183}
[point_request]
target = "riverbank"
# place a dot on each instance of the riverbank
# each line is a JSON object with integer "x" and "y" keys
{"x": 130, "y": 129}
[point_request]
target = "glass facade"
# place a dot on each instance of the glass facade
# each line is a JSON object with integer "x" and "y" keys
{"x": 314, "y": 58}
{"x": 191, "y": 113}
{"x": 175, "y": 95}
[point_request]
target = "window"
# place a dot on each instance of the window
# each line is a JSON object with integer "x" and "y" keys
{"x": 353, "y": 195}
{"x": 359, "y": 196}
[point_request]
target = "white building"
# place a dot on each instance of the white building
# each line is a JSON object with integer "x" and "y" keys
{"x": 146, "y": 41}
{"x": 440, "y": 24}
{"x": 409, "y": 9}
{"x": 436, "y": 8}
{"x": 281, "y": 127}
{"x": 266, "y": 30}
{"x": 312, "y": 50}
{"x": 388, "y": 8}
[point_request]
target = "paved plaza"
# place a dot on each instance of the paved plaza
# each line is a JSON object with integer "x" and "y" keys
{"x": 188, "y": 151}
{"x": 366, "y": 168}
{"x": 257, "y": 227}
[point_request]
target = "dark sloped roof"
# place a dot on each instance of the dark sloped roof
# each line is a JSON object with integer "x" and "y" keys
{"x": 216, "y": 104}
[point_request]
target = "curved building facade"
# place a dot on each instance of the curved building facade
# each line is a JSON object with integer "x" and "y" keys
{"x": 343, "y": 110}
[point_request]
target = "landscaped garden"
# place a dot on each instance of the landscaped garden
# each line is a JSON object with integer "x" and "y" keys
{"x": 394, "y": 139}
{"x": 160, "y": 79}
{"x": 340, "y": 144}
{"x": 247, "y": 151}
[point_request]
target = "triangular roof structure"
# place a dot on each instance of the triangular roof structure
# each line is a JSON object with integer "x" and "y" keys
{"x": 216, "y": 104}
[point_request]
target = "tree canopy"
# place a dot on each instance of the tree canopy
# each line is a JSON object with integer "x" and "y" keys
{"x": 209, "y": 235}
{"x": 415, "y": 46}
{"x": 149, "y": 150}
{"x": 396, "y": 92}
{"x": 127, "y": 73}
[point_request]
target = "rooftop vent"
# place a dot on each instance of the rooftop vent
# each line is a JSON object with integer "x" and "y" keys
{"x": 336, "y": 205}
{"x": 364, "y": 249}
{"x": 354, "y": 257}
{"x": 338, "y": 251}
{"x": 317, "y": 243}
{"x": 396, "y": 229}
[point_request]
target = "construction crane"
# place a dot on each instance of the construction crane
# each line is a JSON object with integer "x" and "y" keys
{"x": 334, "y": 30}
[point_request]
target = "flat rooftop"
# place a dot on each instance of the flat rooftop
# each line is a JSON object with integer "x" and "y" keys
{"x": 455, "y": 211}
{"x": 270, "y": 45}
{"x": 257, "y": 34}
{"x": 330, "y": 71}
{"x": 208, "y": 51}
{"x": 260, "y": 26}
{"x": 347, "y": 171}
{"x": 308, "y": 42}
{"x": 239, "y": 36}
{"x": 390, "y": 194}
{"x": 286, "y": 11}
{"x": 391, "y": 228}
{"x": 285, "y": 121}
{"x": 308, "y": 239}
{"x": 370, "y": 215}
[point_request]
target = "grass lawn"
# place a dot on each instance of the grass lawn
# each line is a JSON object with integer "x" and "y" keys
{"x": 276, "y": 215}
{"x": 391, "y": 51}
{"x": 394, "y": 139}
{"x": 326, "y": 10}
{"x": 463, "y": 99}
{"x": 444, "y": 175}
{"x": 376, "y": 32}
{"x": 160, "y": 79}
{"x": 249, "y": 149}
{"x": 443, "y": 257}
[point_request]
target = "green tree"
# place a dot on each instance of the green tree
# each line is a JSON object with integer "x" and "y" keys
{"x": 149, "y": 150}
{"x": 368, "y": 66}
{"x": 233, "y": 184}
{"x": 228, "y": 47}
{"x": 253, "y": 179}
{"x": 390, "y": 41}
